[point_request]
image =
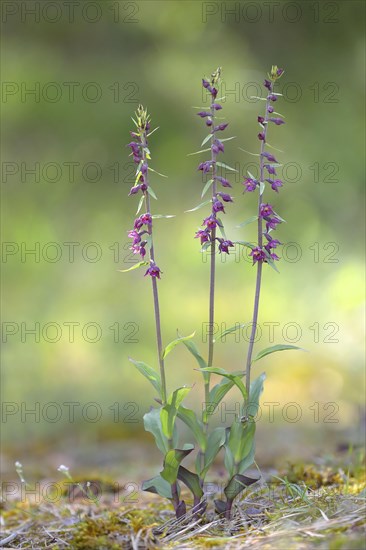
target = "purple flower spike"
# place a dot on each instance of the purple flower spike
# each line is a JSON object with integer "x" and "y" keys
{"x": 250, "y": 184}
{"x": 268, "y": 156}
{"x": 224, "y": 182}
{"x": 224, "y": 245}
{"x": 153, "y": 271}
{"x": 258, "y": 255}
{"x": 225, "y": 197}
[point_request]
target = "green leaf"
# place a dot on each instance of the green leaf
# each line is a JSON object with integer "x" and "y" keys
{"x": 228, "y": 139}
{"x": 205, "y": 246}
{"x": 231, "y": 376}
{"x": 249, "y": 153}
{"x": 236, "y": 327}
{"x": 135, "y": 266}
{"x": 221, "y": 228}
{"x": 207, "y": 138}
{"x": 141, "y": 202}
{"x": 245, "y": 243}
{"x": 218, "y": 392}
{"x": 158, "y": 486}
{"x": 169, "y": 412}
{"x": 194, "y": 424}
{"x": 199, "y": 206}
{"x": 256, "y": 389}
{"x": 274, "y": 349}
{"x": 262, "y": 187}
{"x": 206, "y": 187}
{"x": 226, "y": 166}
{"x": 237, "y": 484}
{"x": 241, "y": 440}
{"x": 152, "y": 131}
{"x": 172, "y": 461}
{"x": 153, "y": 424}
{"x": 175, "y": 342}
{"x": 191, "y": 346}
{"x": 248, "y": 221}
{"x": 158, "y": 173}
{"x": 149, "y": 373}
{"x": 191, "y": 480}
{"x": 198, "y": 152}
{"x": 216, "y": 440}
{"x": 151, "y": 192}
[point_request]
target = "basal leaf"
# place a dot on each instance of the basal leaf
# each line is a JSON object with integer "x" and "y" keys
{"x": 158, "y": 486}
{"x": 149, "y": 373}
{"x": 172, "y": 461}
{"x": 153, "y": 424}
{"x": 216, "y": 440}
{"x": 237, "y": 484}
{"x": 175, "y": 342}
{"x": 191, "y": 480}
{"x": 241, "y": 439}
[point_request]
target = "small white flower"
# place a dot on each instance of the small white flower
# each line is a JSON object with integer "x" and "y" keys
{"x": 63, "y": 469}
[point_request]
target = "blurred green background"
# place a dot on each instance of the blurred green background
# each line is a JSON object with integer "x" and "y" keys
{"x": 89, "y": 71}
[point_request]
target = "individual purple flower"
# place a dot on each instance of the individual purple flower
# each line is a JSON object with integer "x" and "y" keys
{"x": 277, "y": 121}
{"x": 217, "y": 206}
{"x": 272, "y": 97}
{"x": 213, "y": 91}
{"x": 138, "y": 223}
{"x": 261, "y": 136}
{"x": 205, "y": 166}
{"x": 217, "y": 146}
{"x": 209, "y": 122}
{"x": 205, "y": 83}
{"x": 272, "y": 223}
{"x": 135, "y": 189}
{"x": 221, "y": 127}
{"x": 225, "y": 197}
{"x": 267, "y": 84}
{"x": 250, "y": 184}
{"x": 265, "y": 210}
{"x": 258, "y": 255}
{"x": 268, "y": 156}
{"x": 272, "y": 243}
{"x": 135, "y": 235}
{"x": 224, "y": 245}
{"x": 217, "y": 106}
{"x": 144, "y": 168}
{"x": 224, "y": 182}
{"x": 270, "y": 109}
{"x": 146, "y": 218}
{"x": 280, "y": 72}
{"x": 211, "y": 222}
{"x": 260, "y": 119}
{"x": 204, "y": 114}
{"x": 153, "y": 271}
{"x": 270, "y": 169}
{"x": 203, "y": 235}
{"x": 143, "y": 250}
{"x": 275, "y": 184}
